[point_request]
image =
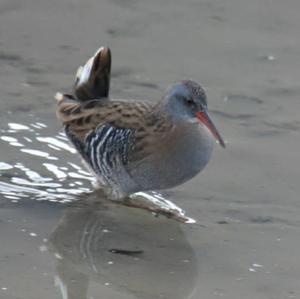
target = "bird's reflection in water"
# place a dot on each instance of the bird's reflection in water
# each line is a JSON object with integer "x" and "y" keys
{"x": 121, "y": 249}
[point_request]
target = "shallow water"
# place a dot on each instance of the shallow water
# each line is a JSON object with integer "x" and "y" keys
{"x": 61, "y": 239}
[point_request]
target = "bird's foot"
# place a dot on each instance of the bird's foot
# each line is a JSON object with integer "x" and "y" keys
{"x": 157, "y": 204}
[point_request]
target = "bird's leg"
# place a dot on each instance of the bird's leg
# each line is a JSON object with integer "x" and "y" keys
{"x": 157, "y": 205}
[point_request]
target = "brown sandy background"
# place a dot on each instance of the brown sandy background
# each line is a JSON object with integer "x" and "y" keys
{"x": 246, "y": 55}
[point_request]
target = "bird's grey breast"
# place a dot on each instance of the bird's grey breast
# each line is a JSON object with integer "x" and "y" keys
{"x": 178, "y": 158}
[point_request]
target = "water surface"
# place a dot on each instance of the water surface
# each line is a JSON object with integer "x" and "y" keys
{"x": 60, "y": 239}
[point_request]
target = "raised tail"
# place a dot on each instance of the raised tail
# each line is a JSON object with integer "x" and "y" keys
{"x": 93, "y": 78}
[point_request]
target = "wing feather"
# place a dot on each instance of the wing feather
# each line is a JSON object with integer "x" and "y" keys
{"x": 83, "y": 118}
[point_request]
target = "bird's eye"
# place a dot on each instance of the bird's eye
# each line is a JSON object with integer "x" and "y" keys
{"x": 190, "y": 103}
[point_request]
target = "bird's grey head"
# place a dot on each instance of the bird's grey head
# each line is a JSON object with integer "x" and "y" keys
{"x": 184, "y": 99}
{"x": 186, "y": 102}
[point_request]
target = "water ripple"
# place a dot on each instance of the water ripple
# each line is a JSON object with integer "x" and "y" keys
{"x": 32, "y": 175}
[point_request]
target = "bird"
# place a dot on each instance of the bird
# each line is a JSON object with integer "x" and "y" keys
{"x": 132, "y": 146}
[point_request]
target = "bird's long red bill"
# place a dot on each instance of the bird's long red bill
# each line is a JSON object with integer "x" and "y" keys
{"x": 204, "y": 117}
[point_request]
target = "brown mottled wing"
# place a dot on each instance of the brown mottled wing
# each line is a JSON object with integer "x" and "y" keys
{"x": 83, "y": 118}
